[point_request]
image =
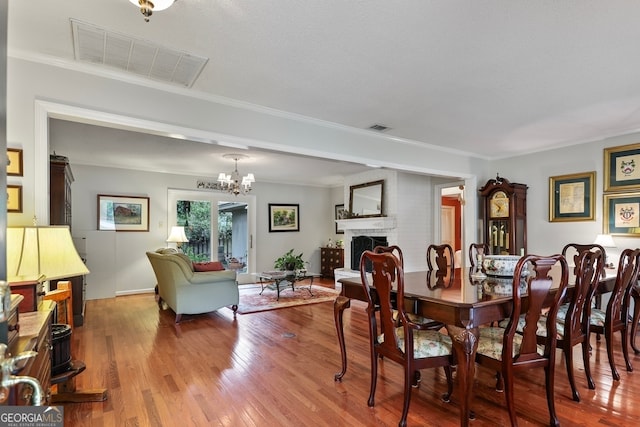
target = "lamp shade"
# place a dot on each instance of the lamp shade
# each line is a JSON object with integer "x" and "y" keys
{"x": 41, "y": 254}
{"x": 605, "y": 240}
{"x": 177, "y": 235}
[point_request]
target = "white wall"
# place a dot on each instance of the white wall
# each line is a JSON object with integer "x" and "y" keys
{"x": 546, "y": 237}
{"x": 117, "y": 260}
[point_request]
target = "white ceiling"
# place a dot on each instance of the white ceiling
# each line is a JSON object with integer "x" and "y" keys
{"x": 495, "y": 76}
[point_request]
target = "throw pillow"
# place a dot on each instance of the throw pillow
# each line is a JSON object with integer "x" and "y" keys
{"x": 208, "y": 266}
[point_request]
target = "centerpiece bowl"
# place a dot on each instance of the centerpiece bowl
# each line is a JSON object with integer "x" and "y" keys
{"x": 500, "y": 265}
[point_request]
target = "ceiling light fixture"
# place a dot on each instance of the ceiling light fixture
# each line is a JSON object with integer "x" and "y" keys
{"x": 232, "y": 183}
{"x": 147, "y": 7}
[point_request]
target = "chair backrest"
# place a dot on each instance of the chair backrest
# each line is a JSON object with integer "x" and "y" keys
{"x": 539, "y": 287}
{"x": 477, "y": 250}
{"x": 628, "y": 268}
{"x": 574, "y": 250}
{"x": 393, "y": 249}
{"x": 440, "y": 257}
{"x": 589, "y": 266}
{"x": 384, "y": 267}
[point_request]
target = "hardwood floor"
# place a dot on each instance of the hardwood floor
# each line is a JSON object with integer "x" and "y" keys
{"x": 276, "y": 368}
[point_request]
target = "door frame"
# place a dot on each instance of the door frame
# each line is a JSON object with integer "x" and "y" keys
{"x": 175, "y": 194}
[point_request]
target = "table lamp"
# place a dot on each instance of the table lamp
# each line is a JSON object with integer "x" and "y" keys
{"x": 41, "y": 254}
{"x": 177, "y": 236}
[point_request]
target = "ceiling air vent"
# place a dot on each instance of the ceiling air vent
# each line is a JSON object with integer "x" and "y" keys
{"x": 100, "y": 46}
{"x": 379, "y": 128}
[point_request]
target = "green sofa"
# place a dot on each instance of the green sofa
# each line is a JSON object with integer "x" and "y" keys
{"x": 186, "y": 291}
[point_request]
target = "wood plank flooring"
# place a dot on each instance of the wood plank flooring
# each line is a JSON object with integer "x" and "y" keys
{"x": 276, "y": 368}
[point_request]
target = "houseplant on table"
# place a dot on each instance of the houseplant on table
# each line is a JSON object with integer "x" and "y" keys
{"x": 289, "y": 262}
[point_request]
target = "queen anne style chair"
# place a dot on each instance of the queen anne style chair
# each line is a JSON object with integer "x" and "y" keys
{"x": 573, "y": 324}
{"x": 477, "y": 250}
{"x": 440, "y": 257}
{"x": 410, "y": 344}
{"x": 506, "y": 351}
{"x": 635, "y": 294}
{"x": 615, "y": 318}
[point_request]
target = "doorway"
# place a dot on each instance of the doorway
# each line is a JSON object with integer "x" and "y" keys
{"x": 218, "y": 228}
{"x": 451, "y": 214}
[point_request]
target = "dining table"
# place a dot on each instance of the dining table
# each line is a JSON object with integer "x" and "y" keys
{"x": 463, "y": 299}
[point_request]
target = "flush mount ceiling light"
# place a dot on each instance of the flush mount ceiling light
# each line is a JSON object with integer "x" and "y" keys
{"x": 232, "y": 183}
{"x": 147, "y": 7}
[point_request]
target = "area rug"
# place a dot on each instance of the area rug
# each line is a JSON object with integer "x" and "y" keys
{"x": 251, "y": 301}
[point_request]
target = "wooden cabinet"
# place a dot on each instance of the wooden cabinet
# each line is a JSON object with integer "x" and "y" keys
{"x": 32, "y": 291}
{"x": 60, "y": 180}
{"x": 330, "y": 259}
{"x": 504, "y": 211}
{"x": 35, "y": 334}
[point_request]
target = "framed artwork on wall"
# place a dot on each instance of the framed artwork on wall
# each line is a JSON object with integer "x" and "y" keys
{"x": 622, "y": 168}
{"x": 14, "y": 198}
{"x": 123, "y": 213}
{"x": 339, "y": 214}
{"x": 284, "y": 217}
{"x": 572, "y": 197}
{"x": 14, "y": 162}
{"x": 622, "y": 214}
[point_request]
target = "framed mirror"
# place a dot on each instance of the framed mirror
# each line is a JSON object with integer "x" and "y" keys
{"x": 366, "y": 200}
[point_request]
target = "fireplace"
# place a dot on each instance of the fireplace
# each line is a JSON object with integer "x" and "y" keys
{"x": 359, "y": 244}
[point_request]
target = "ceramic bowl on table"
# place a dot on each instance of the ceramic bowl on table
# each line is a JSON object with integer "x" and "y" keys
{"x": 500, "y": 265}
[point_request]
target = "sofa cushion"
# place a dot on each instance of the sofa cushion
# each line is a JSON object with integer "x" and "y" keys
{"x": 208, "y": 266}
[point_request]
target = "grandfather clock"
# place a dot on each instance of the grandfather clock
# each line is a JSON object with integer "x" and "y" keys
{"x": 505, "y": 216}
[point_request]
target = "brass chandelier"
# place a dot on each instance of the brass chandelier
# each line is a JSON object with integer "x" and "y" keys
{"x": 147, "y": 7}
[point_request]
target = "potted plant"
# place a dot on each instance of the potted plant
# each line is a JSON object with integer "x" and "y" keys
{"x": 289, "y": 262}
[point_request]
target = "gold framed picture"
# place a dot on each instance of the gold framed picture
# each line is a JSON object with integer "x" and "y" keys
{"x": 572, "y": 197}
{"x": 14, "y": 198}
{"x": 622, "y": 214}
{"x": 14, "y": 162}
{"x": 622, "y": 168}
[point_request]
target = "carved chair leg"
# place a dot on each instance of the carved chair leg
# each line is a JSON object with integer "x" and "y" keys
{"x": 549, "y": 380}
{"x": 585, "y": 361}
{"x": 568, "y": 358}
{"x": 446, "y": 397}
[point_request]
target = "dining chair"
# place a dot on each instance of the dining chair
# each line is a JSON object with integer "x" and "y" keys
{"x": 615, "y": 318}
{"x": 505, "y": 351}
{"x": 440, "y": 257}
{"x": 572, "y": 251}
{"x": 572, "y": 322}
{"x": 635, "y": 294}
{"x": 477, "y": 250}
{"x": 410, "y": 344}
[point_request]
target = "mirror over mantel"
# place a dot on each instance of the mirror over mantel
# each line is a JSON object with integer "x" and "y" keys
{"x": 367, "y": 200}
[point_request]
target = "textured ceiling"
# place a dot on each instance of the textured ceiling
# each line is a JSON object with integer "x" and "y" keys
{"x": 496, "y": 77}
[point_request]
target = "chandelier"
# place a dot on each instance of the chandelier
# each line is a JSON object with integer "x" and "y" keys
{"x": 232, "y": 183}
{"x": 147, "y": 7}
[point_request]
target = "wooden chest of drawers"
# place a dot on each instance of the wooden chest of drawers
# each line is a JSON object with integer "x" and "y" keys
{"x": 35, "y": 334}
{"x": 330, "y": 259}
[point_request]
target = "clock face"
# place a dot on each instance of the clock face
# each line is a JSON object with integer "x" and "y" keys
{"x": 499, "y": 205}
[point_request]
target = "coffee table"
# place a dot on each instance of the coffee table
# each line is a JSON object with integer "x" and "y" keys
{"x": 277, "y": 279}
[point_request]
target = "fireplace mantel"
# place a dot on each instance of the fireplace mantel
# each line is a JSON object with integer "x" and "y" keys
{"x": 373, "y": 223}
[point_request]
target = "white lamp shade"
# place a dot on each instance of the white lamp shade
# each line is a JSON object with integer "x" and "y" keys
{"x": 605, "y": 240}
{"x": 177, "y": 235}
{"x": 157, "y": 4}
{"x": 41, "y": 254}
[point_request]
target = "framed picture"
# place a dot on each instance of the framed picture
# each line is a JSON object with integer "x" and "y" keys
{"x": 572, "y": 197}
{"x": 283, "y": 217}
{"x": 14, "y": 162}
{"x": 339, "y": 214}
{"x": 622, "y": 214}
{"x": 123, "y": 213}
{"x": 14, "y": 198}
{"x": 622, "y": 168}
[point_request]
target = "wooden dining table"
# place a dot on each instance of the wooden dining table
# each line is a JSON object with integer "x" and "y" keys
{"x": 462, "y": 300}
